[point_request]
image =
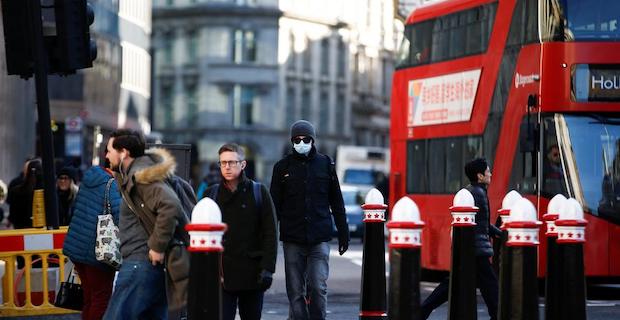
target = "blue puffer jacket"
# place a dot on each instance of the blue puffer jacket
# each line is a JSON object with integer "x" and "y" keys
{"x": 79, "y": 244}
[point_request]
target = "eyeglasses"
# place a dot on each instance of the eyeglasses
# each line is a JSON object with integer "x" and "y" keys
{"x": 297, "y": 140}
{"x": 230, "y": 163}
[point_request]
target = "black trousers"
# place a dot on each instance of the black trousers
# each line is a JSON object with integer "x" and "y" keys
{"x": 486, "y": 281}
{"x": 250, "y": 304}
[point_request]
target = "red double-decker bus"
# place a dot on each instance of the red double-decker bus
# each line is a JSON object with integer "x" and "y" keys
{"x": 533, "y": 86}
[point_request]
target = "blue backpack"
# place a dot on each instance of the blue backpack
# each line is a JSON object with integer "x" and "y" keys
{"x": 258, "y": 196}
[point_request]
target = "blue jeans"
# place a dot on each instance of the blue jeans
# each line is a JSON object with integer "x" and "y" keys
{"x": 306, "y": 268}
{"x": 250, "y": 304}
{"x": 140, "y": 292}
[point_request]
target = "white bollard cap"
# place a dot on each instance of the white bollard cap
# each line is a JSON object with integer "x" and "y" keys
{"x": 523, "y": 225}
{"x": 405, "y": 210}
{"x": 523, "y": 211}
{"x": 555, "y": 207}
{"x": 405, "y": 225}
{"x": 553, "y": 212}
{"x": 206, "y": 211}
{"x": 570, "y": 224}
{"x": 463, "y": 209}
{"x": 206, "y": 228}
{"x": 374, "y": 196}
{"x": 509, "y": 200}
{"x": 463, "y": 198}
{"x": 571, "y": 210}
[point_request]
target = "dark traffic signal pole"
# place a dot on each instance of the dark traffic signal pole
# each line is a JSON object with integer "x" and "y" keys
{"x": 43, "y": 110}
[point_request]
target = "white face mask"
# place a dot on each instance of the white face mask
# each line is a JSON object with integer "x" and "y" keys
{"x": 302, "y": 148}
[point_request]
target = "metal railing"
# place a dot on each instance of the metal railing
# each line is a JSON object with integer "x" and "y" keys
{"x": 27, "y": 252}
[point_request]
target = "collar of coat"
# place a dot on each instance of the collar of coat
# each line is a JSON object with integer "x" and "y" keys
{"x": 156, "y": 165}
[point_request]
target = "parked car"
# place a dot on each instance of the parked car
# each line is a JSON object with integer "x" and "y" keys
{"x": 353, "y": 200}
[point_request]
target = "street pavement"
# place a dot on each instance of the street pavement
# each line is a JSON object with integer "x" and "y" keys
{"x": 344, "y": 292}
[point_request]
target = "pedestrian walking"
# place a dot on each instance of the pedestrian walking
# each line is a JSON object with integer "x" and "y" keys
{"x": 479, "y": 175}
{"x": 96, "y": 277}
{"x": 21, "y": 192}
{"x": 306, "y": 194}
{"x": 150, "y": 216}
{"x": 67, "y": 190}
{"x": 250, "y": 242}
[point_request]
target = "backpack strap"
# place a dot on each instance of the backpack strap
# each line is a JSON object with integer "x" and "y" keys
{"x": 212, "y": 193}
{"x": 258, "y": 195}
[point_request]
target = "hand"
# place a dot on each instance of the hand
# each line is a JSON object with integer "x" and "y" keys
{"x": 156, "y": 257}
{"x": 265, "y": 278}
{"x": 343, "y": 246}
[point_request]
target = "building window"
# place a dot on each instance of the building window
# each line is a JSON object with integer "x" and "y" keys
{"x": 192, "y": 45}
{"x": 340, "y": 109}
{"x": 325, "y": 56}
{"x": 342, "y": 58}
{"x": 244, "y": 105}
{"x": 244, "y": 46}
{"x": 306, "y": 102}
{"x": 308, "y": 56}
{"x": 292, "y": 56}
{"x": 324, "y": 110}
{"x": 167, "y": 48}
{"x": 191, "y": 100}
{"x": 166, "y": 115}
{"x": 291, "y": 109}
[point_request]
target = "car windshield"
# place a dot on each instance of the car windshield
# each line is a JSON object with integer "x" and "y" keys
{"x": 350, "y": 197}
{"x": 590, "y": 154}
{"x": 359, "y": 176}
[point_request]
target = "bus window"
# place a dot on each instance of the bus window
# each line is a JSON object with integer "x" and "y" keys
{"x": 523, "y": 176}
{"x": 553, "y": 176}
{"x": 580, "y": 20}
{"x": 590, "y": 154}
{"x": 435, "y": 166}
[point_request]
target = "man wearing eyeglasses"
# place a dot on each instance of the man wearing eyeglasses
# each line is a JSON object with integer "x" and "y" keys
{"x": 250, "y": 242}
{"x": 306, "y": 194}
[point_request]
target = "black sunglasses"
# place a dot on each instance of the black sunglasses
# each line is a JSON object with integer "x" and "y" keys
{"x": 298, "y": 140}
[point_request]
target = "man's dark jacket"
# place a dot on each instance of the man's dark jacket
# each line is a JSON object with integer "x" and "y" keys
{"x": 483, "y": 227}
{"x": 304, "y": 188}
{"x": 250, "y": 242}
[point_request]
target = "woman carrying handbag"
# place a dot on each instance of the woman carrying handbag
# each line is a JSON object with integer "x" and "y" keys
{"x": 98, "y": 196}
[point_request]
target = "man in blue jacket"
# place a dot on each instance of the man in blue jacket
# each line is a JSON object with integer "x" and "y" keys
{"x": 306, "y": 194}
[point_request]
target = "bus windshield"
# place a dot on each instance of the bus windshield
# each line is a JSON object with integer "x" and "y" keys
{"x": 580, "y": 20}
{"x": 590, "y": 145}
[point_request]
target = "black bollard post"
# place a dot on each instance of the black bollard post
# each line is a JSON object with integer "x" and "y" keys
{"x": 505, "y": 257}
{"x": 522, "y": 250}
{"x": 571, "y": 227}
{"x": 405, "y": 243}
{"x": 373, "y": 296}
{"x": 462, "y": 296}
{"x": 553, "y": 285}
{"x": 204, "y": 300}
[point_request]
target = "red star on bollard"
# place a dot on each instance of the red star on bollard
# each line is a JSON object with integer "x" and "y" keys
{"x": 570, "y": 234}
{"x": 212, "y": 241}
{"x": 202, "y": 241}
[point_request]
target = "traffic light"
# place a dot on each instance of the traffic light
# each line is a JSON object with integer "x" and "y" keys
{"x": 18, "y": 37}
{"x": 71, "y": 48}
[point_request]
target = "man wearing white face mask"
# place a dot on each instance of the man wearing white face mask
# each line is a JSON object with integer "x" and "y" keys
{"x": 306, "y": 194}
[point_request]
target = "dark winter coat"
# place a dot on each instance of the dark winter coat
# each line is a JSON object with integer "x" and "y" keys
{"x": 146, "y": 183}
{"x": 304, "y": 189}
{"x": 250, "y": 242}
{"x": 19, "y": 199}
{"x": 484, "y": 229}
{"x": 79, "y": 243}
